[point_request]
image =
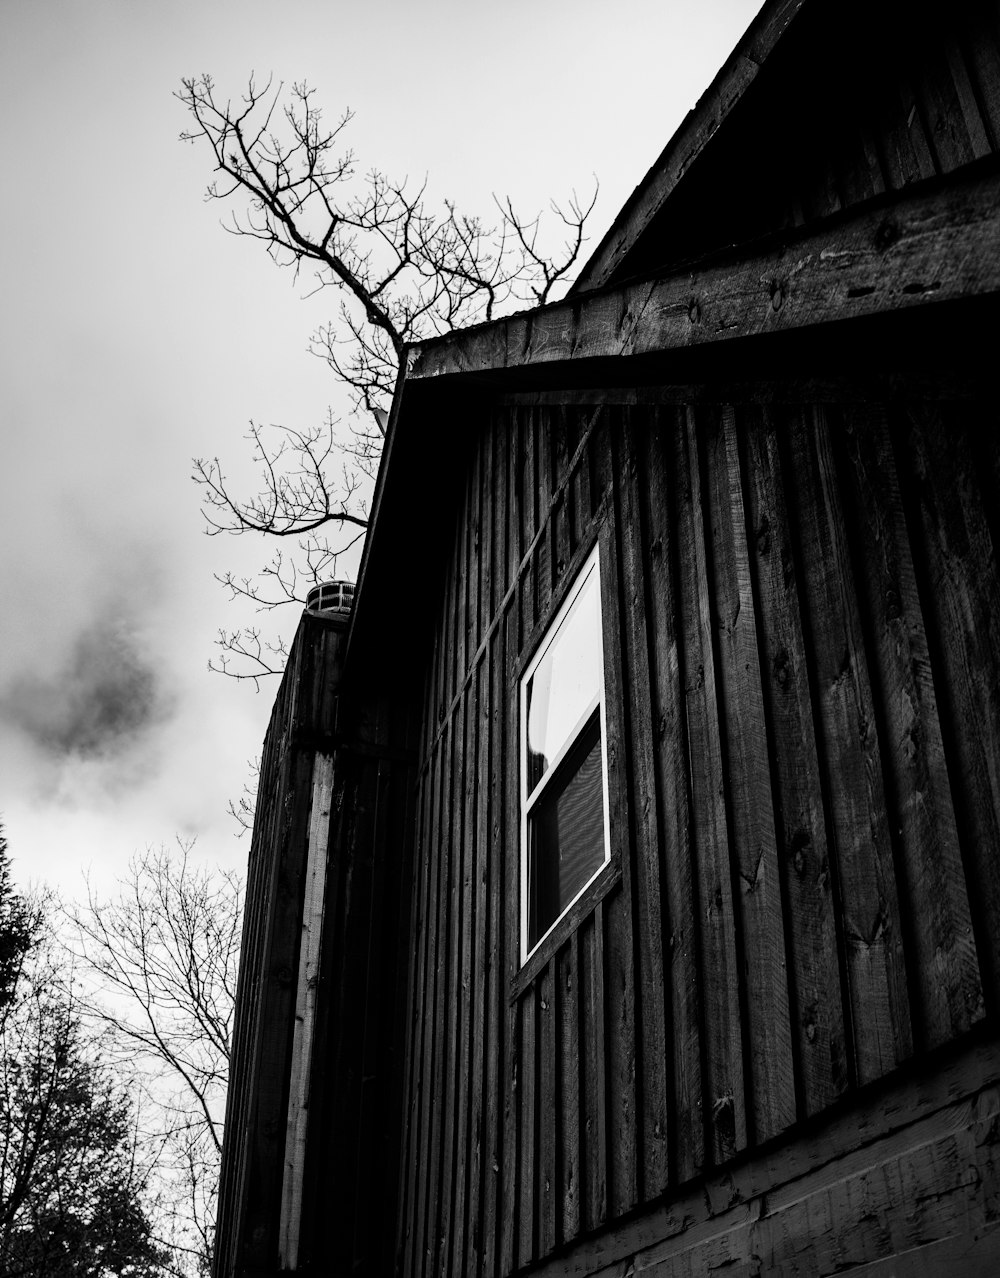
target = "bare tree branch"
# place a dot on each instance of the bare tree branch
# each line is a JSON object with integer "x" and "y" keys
{"x": 404, "y": 271}
{"x": 162, "y": 957}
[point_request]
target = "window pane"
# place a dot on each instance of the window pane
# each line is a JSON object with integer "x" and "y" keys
{"x": 566, "y": 833}
{"x": 566, "y": 681}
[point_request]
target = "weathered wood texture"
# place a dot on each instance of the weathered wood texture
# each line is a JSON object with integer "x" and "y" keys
{"x": 931, "y": 248}
{"x": 256, "y": 1108}
{"x": 361, "y": 997}
{"x": 357, "y": 985}
{"x": 855, "y": 102}
{"x": 904, "y": 1182}
{"x": 800, "y": 604}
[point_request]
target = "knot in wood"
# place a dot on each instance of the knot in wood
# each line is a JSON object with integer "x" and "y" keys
{"x": 694, "y": 311}
{"x": 797, "y": 846}
{"x": 886, "y": 235}
{"x": 777, "y": 290}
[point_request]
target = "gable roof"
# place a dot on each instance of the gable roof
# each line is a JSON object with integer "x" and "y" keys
{"x": 814, "y": 193}
{"x": 696, "y": 132}
{"x": 821, "y": 107}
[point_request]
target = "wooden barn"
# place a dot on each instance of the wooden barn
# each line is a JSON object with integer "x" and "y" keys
{"x": 625, "y": 891}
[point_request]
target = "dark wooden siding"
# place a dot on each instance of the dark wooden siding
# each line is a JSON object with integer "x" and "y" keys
{"x": 257, "y": 1101}
{"x": 367, "y": 754}
{"x": 855, "y": 105}
{"x": 801, "y": 605}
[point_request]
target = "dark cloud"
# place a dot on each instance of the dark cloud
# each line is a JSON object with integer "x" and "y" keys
{"x": 98, "y": 703}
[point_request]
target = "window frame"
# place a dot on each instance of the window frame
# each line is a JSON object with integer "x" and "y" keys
{"x": 527, "y": 801}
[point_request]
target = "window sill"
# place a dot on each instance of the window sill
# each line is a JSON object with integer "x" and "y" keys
{"x": 584, "y": 905}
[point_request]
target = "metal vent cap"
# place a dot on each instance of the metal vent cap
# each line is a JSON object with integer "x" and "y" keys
{"x": 331, "y": 597}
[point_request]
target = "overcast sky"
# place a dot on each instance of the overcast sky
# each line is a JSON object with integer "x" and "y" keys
{"x": 135, "y": 334}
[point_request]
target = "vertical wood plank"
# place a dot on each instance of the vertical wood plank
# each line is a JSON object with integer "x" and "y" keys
{"x": 446, "y": 686}
{"x": 526, "y": 604}
{"x": 479, "y": 1005}
{"x": 683, "y": 1025}
{"x": 724, "y": 1104}
{"x": 981, "y": 47}
{"x": 414, "y": 1030}
{"x": 569, "y": 1021}
{"x": 598, "y": 461}
{"x": 622, "y": 1179}
{"x": 861, "y": 175}
{"x": 947, "y": 126}
{"x": 582, "y": 495}
{"x": 652, "y": 1048}
{"x": 465, "y": 984}
{"x": 423, "y": 1244}
{"x": 463, "y": 561}
{"x": 507, "y": 1205}
{"x": 548, "y": 1112}
{"x": 563, "y": 437}
{"x": 442, "y": 1013}
{"x": 748, "y": 787}
{"x": 428, "y": 722}
{"x": 495, "y": 881}
{"x": 850, "y": 755}
{"x": 913, "y": 129}
{"x": 906, "y": 157}
{"x": 451, "y": 1015}
{"x": 474, "y": 557}
{"x": 618, "y": 938}
{"x": 487, "y": 443}
{"x": 594, "y": 1181}
{"x": 543, "y": 481}
{"x": 529, "y": 507}
{"x": 527, "y": 1133}
{"x": 402, "y": 863}
{"x": 950, "y": 522}
{"x": 936, "y": 920}
{"x": 518, "y": 460}
{"x": 976, "y": 126}
{"x": 814, "y": 944}
{"x": 374, "y": 922}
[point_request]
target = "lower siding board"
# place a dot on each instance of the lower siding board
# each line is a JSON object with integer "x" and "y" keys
{"x": 907, "y": 1182}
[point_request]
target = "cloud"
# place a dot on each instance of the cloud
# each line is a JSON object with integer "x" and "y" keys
{"x": 95, "y": 705}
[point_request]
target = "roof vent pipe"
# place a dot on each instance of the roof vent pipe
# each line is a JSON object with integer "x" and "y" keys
{"x": 331, "y": 597}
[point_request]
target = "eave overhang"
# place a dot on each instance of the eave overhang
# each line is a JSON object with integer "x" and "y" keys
{"x": 939, "y": 245}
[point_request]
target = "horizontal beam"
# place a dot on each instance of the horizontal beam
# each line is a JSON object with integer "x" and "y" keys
{"x": 914, "y": 252}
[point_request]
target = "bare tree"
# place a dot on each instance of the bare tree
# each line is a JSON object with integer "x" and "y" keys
{"x": 74, "y": 1191}
{"x": 162, "y": 956}
{"x": 243, "y": 809}
{"x": 402, "y": 271}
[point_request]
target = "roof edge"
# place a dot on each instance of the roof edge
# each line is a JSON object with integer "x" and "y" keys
{"x": 695, "y": 132}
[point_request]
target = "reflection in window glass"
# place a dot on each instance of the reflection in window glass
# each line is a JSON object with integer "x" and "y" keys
{"x": 564, "y": 824}
{"x": 566, "y": 682}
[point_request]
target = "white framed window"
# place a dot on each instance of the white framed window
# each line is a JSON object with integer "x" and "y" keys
{"x": 565, "y": 835}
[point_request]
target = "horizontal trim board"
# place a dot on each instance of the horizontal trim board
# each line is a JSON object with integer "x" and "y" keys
{"x": 943, "y": 245}
{"x": 896, "y": 1119}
